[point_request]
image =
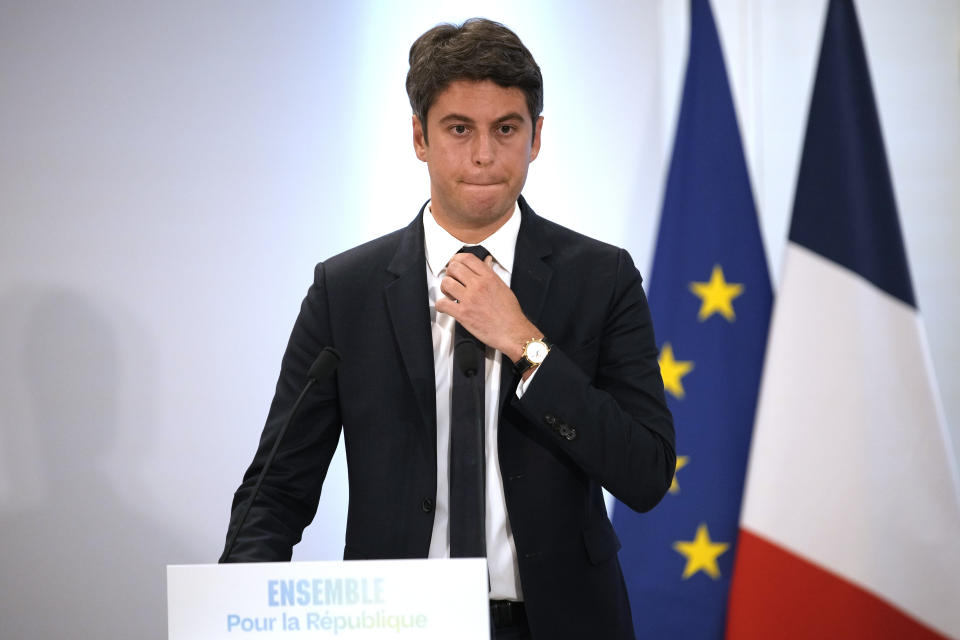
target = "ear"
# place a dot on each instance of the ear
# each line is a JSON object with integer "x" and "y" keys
{"x": 535, "y": 147}
{"x": 419, "y": 140}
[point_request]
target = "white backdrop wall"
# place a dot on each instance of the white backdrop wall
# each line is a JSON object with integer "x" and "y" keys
{"x": 170, "y": 172}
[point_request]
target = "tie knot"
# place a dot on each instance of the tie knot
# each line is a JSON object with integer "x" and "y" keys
{"x": 476, "y": 250}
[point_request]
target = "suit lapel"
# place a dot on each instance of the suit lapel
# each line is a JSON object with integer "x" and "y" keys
{"x": 408, "y": 306}
{"x": 529, "y": 281}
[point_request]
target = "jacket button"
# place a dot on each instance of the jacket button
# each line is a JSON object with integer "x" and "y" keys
{"x": 566, "y": 431}
{"x": 550, "y": 419}
{"x": 427, "y": 505}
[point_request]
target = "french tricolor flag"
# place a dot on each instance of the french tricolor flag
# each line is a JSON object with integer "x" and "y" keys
{"x": 850, "y": 526}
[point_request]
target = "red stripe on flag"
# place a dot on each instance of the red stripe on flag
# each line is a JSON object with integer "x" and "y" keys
{"x": 777, "y": 594}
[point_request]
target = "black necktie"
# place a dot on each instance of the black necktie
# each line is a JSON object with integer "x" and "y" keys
{"x": 467, "y": 458}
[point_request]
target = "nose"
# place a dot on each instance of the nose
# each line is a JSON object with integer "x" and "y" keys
{"x": 483, "y": 151}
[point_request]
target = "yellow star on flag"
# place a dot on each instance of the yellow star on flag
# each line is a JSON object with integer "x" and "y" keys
{"x": 673, "y": 371}
{"x": 716, "y": 296}
{"x": 701, "y": 553}
{"x": 681, "y": 463}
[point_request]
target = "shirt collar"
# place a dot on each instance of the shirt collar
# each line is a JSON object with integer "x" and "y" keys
{"x": 439, "y": 246}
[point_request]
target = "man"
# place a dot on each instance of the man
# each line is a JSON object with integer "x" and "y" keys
{"x": 582, "y": 409}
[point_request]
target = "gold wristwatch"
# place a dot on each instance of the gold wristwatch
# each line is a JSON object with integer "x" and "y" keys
{"x": 534, "y": 351}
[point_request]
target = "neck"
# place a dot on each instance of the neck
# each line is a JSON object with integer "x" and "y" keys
{"x": 469, "y": 232}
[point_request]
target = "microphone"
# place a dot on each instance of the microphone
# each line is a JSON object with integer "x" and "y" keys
{"x": 323, "y": 366}
{"x": 320, "y": 370}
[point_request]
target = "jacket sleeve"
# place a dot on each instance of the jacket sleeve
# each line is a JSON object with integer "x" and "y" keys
{"x": 615, "y": 425}
{"x": 290, "y": 493}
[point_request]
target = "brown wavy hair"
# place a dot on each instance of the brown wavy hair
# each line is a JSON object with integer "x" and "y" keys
{"x": 478, "y": 49}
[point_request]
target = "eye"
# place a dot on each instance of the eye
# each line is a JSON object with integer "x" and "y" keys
{"x": 459, "y": 129}
{"x": 506, "y": 129}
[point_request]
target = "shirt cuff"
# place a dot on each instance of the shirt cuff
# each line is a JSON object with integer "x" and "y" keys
{"x": 525, "y": 384}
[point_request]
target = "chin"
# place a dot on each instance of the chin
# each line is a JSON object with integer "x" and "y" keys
{"x": 475, "y": 207}
{"x": 489, "y": 204}
{"x": 488, "y": 211}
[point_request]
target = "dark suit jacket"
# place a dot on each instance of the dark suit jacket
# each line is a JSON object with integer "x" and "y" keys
{"x": 594, "y": 416}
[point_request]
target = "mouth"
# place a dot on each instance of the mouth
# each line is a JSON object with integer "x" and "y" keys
{"x": 482, "y": 183}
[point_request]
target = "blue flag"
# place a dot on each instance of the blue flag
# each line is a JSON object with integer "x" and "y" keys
{"x": 710, "y": 297}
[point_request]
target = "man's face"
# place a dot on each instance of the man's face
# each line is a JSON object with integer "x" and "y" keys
{"x": 481, "y": 141}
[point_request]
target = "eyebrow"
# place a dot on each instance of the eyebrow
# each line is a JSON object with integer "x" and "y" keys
{"x": 457, "y": 117}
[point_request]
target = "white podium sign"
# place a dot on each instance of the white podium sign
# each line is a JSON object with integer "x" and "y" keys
{"x": 405, "y": 599}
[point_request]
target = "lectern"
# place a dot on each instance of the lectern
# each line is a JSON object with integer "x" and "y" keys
{"x": 407, "y": 599}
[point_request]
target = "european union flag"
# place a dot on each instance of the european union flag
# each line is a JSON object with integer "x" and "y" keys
{"x": 710, "y": 297}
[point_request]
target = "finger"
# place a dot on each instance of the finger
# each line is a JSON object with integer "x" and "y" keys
{"x": 452, "y": 288}
{"x": 461, "y": 273}
{"x": 448, "y": 307}
{"x": 468, "y": 260}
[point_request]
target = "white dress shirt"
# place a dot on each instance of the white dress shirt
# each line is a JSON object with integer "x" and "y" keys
{"x": 439, "y": 247}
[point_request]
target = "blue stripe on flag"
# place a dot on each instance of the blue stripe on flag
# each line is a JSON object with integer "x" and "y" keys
{"x": 845, "y": 208}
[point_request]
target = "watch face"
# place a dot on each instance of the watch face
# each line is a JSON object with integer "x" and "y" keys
{"x": 536, "y": 352}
